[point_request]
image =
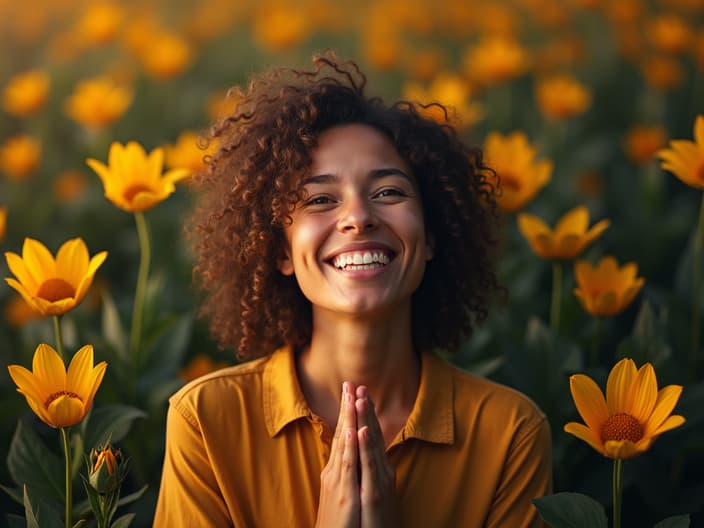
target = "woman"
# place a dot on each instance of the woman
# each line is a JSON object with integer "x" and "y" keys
{"x": 345, "y": 241}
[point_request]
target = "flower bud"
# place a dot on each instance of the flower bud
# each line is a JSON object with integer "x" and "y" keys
{"x": 107, "y": 469}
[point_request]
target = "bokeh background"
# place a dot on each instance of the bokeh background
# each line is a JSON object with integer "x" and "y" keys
{"x": 594, "y": 87}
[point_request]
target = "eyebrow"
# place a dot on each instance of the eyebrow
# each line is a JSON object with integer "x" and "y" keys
{"x": 374, "y": 174}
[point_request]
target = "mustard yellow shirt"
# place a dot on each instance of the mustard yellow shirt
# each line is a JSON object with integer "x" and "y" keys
{"x": 243, "y": 449}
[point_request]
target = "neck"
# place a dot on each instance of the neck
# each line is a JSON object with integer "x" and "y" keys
{"x": 378, "y": 354}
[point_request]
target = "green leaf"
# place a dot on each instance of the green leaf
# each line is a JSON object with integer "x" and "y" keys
{"x": 571, "y": 510}
{"x": 31, "y": 463}
{"x": 677, "y": 521}
{"x": 14, "y": 493}
{"x": 128, "y": 499}
{"x": 79, "y": 523}
{"x": 124, "y": 521}
{"x": 109, "y": 422}
{"x": 43, "y": 516}
{"x": 113, "y": 330}
{"x": 15, "y": 521}
{"x": 29, "y": 511}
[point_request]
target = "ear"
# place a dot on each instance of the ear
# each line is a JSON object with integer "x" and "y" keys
{"x": 285, "y": 264}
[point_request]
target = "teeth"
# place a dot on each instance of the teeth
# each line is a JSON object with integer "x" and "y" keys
{"x": 359, "y": 260}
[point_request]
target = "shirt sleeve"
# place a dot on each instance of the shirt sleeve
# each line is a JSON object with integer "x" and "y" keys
{"x": 527, "y": 475}
{"x": 189, "y": 495}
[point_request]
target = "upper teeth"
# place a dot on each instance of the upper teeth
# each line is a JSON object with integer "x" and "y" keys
{"x": 358, "y": 258}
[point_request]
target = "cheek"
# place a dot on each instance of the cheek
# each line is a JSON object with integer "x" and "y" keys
{"x": 305, "y": 239}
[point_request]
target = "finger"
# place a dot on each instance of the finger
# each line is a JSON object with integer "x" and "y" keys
{"x": 338, "y": 444}
{"x": 367, "y": 462}
{"x": 350, "y": 460}
{"x": 376, "y": 441}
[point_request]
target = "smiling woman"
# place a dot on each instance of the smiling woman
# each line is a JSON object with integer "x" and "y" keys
{"x": 345, "y": 240}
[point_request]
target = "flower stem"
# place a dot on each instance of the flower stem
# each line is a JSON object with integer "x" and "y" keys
{"x": 596, "y": 343}
{"x": 556, "y": 296}
{"x": 696, "y": 299}
{"x": 59, "y": 339}
{"x": 618, "y": 467}
{"x": 67, "y": 456}
{"x": 144, "y": 260}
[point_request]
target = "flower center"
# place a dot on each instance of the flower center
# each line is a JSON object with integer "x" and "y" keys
{"x": 509, "y": 182}
{"x": 621, "y": 426}
{"x": 133, "y": 190}
{"x": 57, "y": 395}
{"x": 55, "y": 289}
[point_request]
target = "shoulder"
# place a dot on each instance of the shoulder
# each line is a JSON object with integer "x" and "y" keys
{"x": 488, "y": 404}
{"x": 222, "y": 386}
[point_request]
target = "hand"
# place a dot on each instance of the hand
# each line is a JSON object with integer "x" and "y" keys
{"x": 379, "y": 506}
{"x": 339, "y": 485}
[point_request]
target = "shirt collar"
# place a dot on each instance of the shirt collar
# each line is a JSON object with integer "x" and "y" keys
{"x": 431, "y": 419}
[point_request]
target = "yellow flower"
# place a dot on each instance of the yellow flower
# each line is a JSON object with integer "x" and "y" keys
{"x": 562, "y": 96}
{"x": 26, "y": 93}
{"x": 642, "y": 142}
{"x": 632, "y": 416}
{"x": 281, "y": 26}
{"x": 685, "y": 159}
{"x": 669, "y": 33}
{"x": 496, "y": 60}
{"x": 70, "y": 185}
{"x": 58, "y": 397}
{"x": 452, "y": 92}
{"x": 53, "y": 286}
{"x": 569, "y": 238}
{"x": 166, "y": 55}
{"x": 519, "y": 175}
{"x": 100, "y": 23}
{"x": 607, "y": 289}
{"x": 98, "y": 102}
{"x": 187, "y": 152}
{"x": 200, "y": 365}
{"x": 662, "y": 72}
{"x": 3, "y": 222}
{"x": 133, "y": 180}
{"x": 20, "y": 156}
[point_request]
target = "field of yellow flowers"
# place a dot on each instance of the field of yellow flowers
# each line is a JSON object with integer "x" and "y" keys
{"x": 591, "y": 112}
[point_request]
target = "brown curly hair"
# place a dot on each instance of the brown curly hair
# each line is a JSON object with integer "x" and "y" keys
{"x": 252, "y": 184}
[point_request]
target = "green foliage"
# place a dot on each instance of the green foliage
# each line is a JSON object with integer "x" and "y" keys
{"x": 571, "y": 510}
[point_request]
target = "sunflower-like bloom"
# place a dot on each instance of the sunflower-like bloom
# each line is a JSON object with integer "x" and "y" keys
{"x": 642, "y": 142}
{"x": 685, "y": 159}
{"x": 20, "y": 156}
{"x": 187, "y": 152}
{"x": 26, "y": 93}
{"x": 496, "y": 60}
{"x": 520, "y": 176}
{"x": 280, "y": 27}
{"x": 607, "y": 289}
{"x": 562, "y": 96}
{"x": 632, "y": 416}
{"x": 166, "y": 56}
{"x": 59, "y": 398}
{"x": 451, "y": 91}
{"x": 569, "y": 238}
{"x": 53, "y": 286}
{"x": 98, "y": 102}
{"x": 133, "y": 180}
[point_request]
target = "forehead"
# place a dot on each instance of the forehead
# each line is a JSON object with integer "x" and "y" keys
{"x": 354, "y": 146}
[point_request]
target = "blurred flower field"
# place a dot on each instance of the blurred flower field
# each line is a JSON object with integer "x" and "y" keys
{"x": 590, "y": 111}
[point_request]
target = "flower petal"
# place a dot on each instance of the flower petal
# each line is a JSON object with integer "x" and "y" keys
{"x": 27, "y": 383}
{"x": 584, "y": 433}
{"x": 672, "y": 421}
{"x": 79, "y": 378}
{"x": 72, "y": 261}
{"x": 619, "y": 394}
{"x": 38, "y": 260}
{"x": 574, "y": 221}
{"x": 66, "y": 411}
{"x": 665, "y": 403}
{"x": 621, "y": 449}
{"x": 49, "y": 369}
{"x": 589, "y": 401}
{"x": 20, "y": 271}
{"x": 645, "y": 393}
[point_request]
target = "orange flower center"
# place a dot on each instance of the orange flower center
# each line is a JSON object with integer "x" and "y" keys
{"x": 134, "y": 190}
{"x": 55, "y": 289}
{"x": 57, "y": 395}
{"x": 621, "y": 426}
{"x": 509, "y": 182}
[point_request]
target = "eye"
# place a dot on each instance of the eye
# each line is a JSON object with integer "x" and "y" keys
{"x": 320, "y": 199}
{"x": 389, "y": 192}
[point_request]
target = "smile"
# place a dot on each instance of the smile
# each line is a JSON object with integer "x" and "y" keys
{"x": 359, "y": 260}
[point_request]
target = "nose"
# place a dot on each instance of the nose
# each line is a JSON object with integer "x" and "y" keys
{"x": 357, "y": 216}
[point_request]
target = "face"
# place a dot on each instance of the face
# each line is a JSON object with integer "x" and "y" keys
{"x": 357, "y": 244}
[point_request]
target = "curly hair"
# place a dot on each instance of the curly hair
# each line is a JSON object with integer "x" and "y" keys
{"x": 252, "y": 184}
